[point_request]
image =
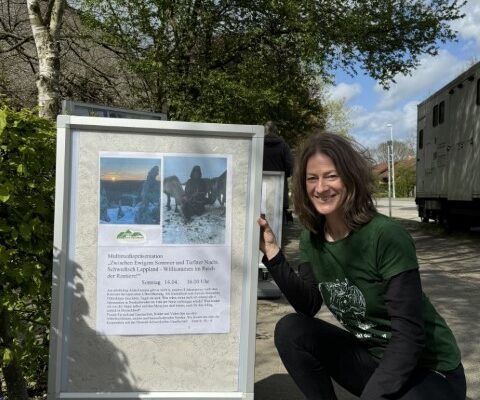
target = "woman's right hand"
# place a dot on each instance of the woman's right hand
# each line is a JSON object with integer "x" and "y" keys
{"x": 268, "y": 241}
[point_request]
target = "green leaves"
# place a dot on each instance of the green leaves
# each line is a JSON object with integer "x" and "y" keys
{"x": 229, "y": 62}
{"x": 7, "y": 356}
{"x": 27, "y": 156}
{"x": 4, "y": 193}
{"x": 3, "y": 121}
{"x": 251, "y": 61}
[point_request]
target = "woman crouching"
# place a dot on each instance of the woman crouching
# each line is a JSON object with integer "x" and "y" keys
{"x": 363, "y": 267}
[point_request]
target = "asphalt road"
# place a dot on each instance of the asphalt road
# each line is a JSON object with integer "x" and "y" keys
{"x": 404, "y": 208}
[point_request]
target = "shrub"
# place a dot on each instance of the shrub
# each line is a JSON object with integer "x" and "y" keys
{"x": 27, "y": 154}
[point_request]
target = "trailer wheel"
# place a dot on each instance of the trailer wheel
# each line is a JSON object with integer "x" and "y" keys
{"x": 423, "y": 214}
{"x": 444, "y": 220}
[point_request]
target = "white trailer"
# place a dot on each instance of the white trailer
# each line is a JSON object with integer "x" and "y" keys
{"x": 448, "y": 153}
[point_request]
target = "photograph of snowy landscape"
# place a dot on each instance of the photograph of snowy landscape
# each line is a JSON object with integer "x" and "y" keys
{"x": 194, "y": 200}
{"x": 130, "y": 190}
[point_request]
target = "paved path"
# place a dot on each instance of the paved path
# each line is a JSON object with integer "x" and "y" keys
{"x": 404, "y": 208}
{"x": 450, "y": 269}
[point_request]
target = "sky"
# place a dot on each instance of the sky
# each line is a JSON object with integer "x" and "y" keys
{"x": 211, "y": 167}
{"x": 371, "y": 109}
{"x": 133, "y": 168}
{"x": 124, "y": 169}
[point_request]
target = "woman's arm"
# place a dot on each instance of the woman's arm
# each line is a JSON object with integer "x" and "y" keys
{"x": 300, "y": 290}
{"x": 403, "y": 297}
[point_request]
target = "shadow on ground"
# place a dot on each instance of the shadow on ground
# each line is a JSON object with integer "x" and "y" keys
{"x": 282, "y": 387}
{"x": 279, "y": 387}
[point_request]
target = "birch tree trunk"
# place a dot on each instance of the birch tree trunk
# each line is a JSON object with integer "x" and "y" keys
{"x": 46, "y": 29}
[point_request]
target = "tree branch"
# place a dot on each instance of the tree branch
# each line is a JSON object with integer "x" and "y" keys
{"x": 16, "y": 46}
{"x": 34, "y": 14}
{"x": 89, "y": 65}
{"x": 55, "y": 18}
{"x": 48, "y": 13}
{"x": 4, "y": 35}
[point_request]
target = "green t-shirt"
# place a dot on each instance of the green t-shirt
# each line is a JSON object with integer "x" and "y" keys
{"x": 352, "y": 275}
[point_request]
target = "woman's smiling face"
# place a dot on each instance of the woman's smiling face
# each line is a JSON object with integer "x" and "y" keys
{"x": 324, "y": 186}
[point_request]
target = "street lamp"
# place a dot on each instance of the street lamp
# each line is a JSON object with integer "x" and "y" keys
{"x": 392, "y": 158}
{"x": 389, "y": 181}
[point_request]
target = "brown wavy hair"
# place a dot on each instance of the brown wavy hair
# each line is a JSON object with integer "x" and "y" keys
{"x": 354, "y": 167}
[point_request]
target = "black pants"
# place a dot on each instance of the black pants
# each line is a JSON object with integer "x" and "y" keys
{"x": 314, "y": 351}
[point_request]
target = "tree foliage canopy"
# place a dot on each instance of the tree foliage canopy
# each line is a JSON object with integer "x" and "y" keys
{"x": 225, "y": 61}
{"x": 401, "y": 151}
{"x": 212, "y": 61}
{"x": 247, "y": 61}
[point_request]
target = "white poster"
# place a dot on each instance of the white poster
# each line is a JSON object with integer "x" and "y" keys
{"x": 164, "y": 253}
